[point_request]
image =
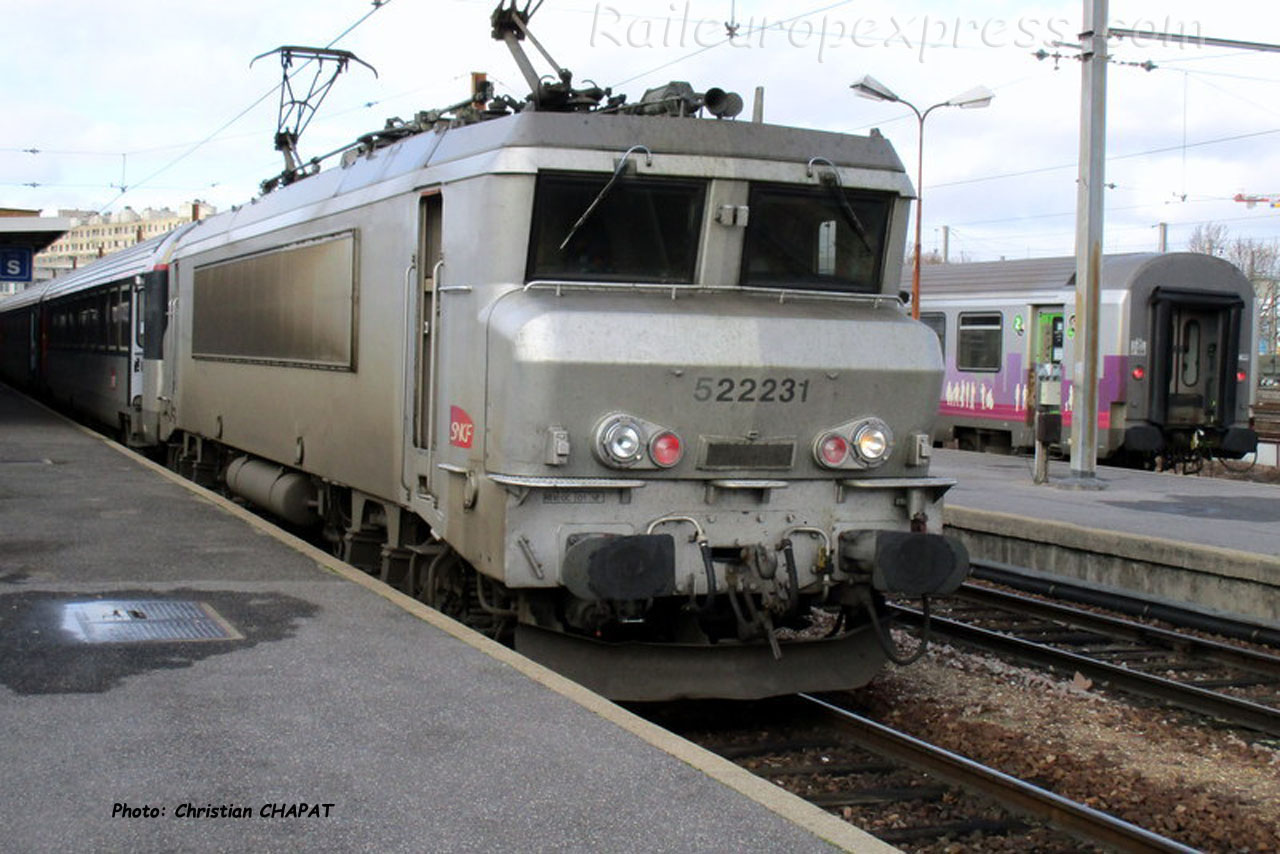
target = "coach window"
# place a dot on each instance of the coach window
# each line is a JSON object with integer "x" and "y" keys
{"x": 815, "y": 238}
{"x": 113, "y": 317}
{"x": 88, "y": 323}
{"x": 140, "y": 300}
{"x": 978, "y": 342}
{"x": 937, "y": 321}
{"x": 635, "y": 229}
{"x": 120, "y": 318}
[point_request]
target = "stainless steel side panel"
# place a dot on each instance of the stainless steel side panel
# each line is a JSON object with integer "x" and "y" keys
{"x": 292, "y": 305}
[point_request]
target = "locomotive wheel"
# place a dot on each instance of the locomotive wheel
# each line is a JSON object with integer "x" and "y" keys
{"x": 444, "y": 586}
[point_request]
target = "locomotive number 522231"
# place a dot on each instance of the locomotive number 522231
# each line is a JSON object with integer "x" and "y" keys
{"x": 749, "y": 390}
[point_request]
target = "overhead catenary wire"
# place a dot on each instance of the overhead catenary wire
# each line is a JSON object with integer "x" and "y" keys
{"x": 377, "y": 6}
{"x": 71, "y": 174}
{"x": 1163, "y": 150}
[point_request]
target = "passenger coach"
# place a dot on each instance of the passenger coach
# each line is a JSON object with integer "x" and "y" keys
{"x": 1175, "y": 333}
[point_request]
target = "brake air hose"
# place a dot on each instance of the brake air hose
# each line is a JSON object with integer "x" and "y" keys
{"x": 886, "y": 641}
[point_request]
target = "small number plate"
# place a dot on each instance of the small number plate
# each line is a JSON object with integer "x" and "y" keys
{"x": 750, "y": 390}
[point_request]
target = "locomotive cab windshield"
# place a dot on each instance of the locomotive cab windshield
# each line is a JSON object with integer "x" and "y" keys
{"x": 821, "y": 238}
{"x": 640, "y": 230}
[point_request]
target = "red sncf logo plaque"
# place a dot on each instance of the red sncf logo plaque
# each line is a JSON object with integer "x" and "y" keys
{"x": 462, "y": 430}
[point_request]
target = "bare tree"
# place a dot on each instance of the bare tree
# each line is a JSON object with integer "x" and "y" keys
{"x": 1208, "y": 238}
{"x": 1256, "y": 259}
{"x": 1260, "y": 262}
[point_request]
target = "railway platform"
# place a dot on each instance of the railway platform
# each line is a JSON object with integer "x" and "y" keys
{"x": 1211, "y": 543}
{"x": 178, "y": 675}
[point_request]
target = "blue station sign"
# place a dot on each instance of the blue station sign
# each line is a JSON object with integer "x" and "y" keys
{"x": 15, "y": 264}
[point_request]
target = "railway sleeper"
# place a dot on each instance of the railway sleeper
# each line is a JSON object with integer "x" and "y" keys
{"x": 888, "y": 795}
{"x": 1238, "y": 682}
{"x": 954, "y": 830}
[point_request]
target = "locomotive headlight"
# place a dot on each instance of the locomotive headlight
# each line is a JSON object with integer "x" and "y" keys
{"x": 620, "y": 441}
{"x": 871, "y": 441}
{"x": 627, "y": 442}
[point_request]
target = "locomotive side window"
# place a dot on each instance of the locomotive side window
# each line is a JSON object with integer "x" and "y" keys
{"x": 638, "y": 230}
{"x": 937, "y": 321}
{"x": 822, "y": 238}
{"x": 978, "y": 346}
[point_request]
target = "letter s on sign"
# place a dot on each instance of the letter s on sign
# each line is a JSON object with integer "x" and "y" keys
{"x": 462, "y": 429}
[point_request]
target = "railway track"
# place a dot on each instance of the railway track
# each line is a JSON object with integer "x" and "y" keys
{"x": 904, "y": 791}
{"x": 1239, "y": 685}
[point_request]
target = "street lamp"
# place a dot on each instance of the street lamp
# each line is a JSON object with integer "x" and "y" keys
{"x": 980, "y": 96}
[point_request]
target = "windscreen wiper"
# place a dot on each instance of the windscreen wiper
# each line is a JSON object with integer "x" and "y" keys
{"x": 832, "y": 181}
{"x": 605, "y": 191}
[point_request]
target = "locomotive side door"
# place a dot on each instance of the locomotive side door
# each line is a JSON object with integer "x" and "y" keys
{"x": 421, "y": 364}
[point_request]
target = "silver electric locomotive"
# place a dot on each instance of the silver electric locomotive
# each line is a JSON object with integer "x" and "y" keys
{"x": 628, "y": 386}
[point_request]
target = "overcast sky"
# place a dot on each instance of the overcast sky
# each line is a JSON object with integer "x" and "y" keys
{"x": 156, "y": 96}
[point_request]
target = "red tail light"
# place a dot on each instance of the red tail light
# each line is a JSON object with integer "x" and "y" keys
{"x": 833, "y": 449}
{"x": 666, "y": 449}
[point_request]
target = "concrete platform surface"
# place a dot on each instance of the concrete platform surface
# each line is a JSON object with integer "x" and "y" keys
{"x": 1204, "y": 511}
{"x": 1189, "y": 539}
{"x": 398, "y": 729}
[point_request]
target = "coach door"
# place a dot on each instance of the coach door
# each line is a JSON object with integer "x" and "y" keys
{"x": 1195, "y": 338}
{"x": 1047, "y": 345}
{"x": 424, "y": 310}
{"x": 35, "y": 345}
{"x": 1193, "y": 381}
{"x": 133, "y": 301}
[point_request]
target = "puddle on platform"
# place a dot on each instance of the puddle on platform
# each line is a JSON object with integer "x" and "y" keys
{"x": 1223, "y": 507}
{"x": 84, "y": 643}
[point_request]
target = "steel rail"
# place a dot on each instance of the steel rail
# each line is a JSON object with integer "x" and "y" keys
{"x": 1018, "y": 795}
{"x": 1237, "y": 711}
{"x": 1233, "y": 656}
{"x": 1126, "y": 603}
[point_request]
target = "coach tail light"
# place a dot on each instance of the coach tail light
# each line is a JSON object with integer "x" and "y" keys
{"x": 862, "y": 444}
{"x": 626, "y": 442}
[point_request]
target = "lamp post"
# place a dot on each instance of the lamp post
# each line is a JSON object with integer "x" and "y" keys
{"x": 980, "y": 96}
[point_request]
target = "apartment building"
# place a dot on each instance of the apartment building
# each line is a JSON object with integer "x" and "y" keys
{"x": 94, "y": 235}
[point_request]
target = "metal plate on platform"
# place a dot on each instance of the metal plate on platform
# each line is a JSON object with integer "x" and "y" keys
{"x": 144, "y": 620}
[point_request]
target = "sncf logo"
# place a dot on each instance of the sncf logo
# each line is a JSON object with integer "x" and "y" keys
{"x": 462, "y": 430}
